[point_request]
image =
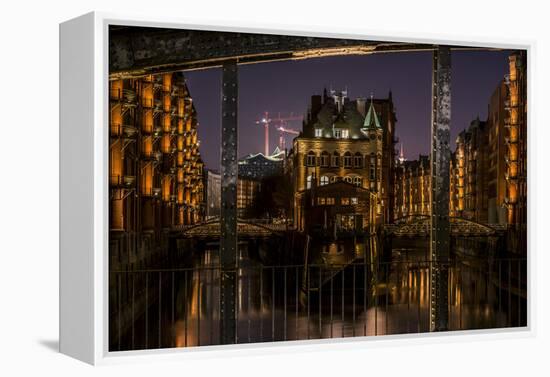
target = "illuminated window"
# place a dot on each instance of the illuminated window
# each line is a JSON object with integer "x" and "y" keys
{"x": 358, "y": 181}
{"x": 348, "y": 179}
{"x": 345, "y": 134}
{"x": 308, "y": 181}
{"x": 321, "y": 201}
{"x": 354, "y": 201}
{"x": 347, "y": 160}
{"x": 345, "y": 201}
{"x": 325, "y": 159}
{"x": 310, "y": 160}
{"x": 324, "y": 180}
{"x": 329, "y": 201}
{"x": 337, "y": 133}
{"x": 335, "y": 159}
{"x": 318, "y": 132}
{"x": 358, "y": 160}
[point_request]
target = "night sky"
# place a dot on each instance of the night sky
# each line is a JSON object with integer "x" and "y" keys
{"x": 287, "y": 87}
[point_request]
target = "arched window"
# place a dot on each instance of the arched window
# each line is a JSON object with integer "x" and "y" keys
{"x": 347, "y": 160}
{"x": 325, "y": 159}
{"x": 335, "y": 160}
{"x": 309, "y": 180}
{"x": 348, "y": 179}
{"x": 324, "y": 180}
{"x": 310, "y": 159}
{"x": 357, "y": 181}
{"x": 333, "y": 178}
{"x": 358, "y": 160}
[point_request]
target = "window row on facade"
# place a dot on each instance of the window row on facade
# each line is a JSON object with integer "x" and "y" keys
{"x": 348, "y": 160}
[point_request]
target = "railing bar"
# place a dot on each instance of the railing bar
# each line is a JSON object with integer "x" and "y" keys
{"x": 408, "y": 294}
{"x": 284, "y": 329}
{"x": 273, "y": 303}
{"x": 509, "y": 293}
{"x": 308, "y": 273}
{"x": 160, "y": 309}
{"x": 387, "y": 299}
{"x": 173, "y": 298}
{"x": 146, "y": 310}
{"x": 320, "y": 303}
{"x": 119, "y": 299}
{"x": 133, "y": 309}
{"x": 212, "y": 310}
{"x": 519, "y": 293}
{"x": 261, "y": 304}
{"x": 248, "y": 304}
{"x": 199, "y": 307}
{"x": 418, "y": 293}
{"x": 499, "y": 287}
{"x": 376, "y": 300}
{"x": 185, "y": 308}
{"x": 296, "y": 300}
{"x": 331, "y": 299}
{"x": 365, "y": 296}
{"x": 353, "y": 302}
{"x": 343, "y": 302}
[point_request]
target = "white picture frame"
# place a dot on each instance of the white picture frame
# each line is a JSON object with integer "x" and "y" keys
{"x": 84, "y": 187}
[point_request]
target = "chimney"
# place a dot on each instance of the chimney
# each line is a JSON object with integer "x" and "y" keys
{"x": 361, "y": 105}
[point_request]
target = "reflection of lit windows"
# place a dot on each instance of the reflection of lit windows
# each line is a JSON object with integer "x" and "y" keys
{"x": 354, "y": 201}
{"x": 318, "y": 132}
{"x": 329, "y": 201}
{"x": 337, "y": 133}
{"x": 345, "y": 201}
{"x": 324, "y": 180}
{"x": 321, "y": 201}
{"x": 345, "y": 134}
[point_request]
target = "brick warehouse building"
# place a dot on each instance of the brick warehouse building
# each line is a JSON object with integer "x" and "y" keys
{"x": 345, "y": 140}
{"x": 155, "y": 167}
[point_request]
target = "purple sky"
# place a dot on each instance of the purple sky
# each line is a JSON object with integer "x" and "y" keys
{"x": 287, "y": 87}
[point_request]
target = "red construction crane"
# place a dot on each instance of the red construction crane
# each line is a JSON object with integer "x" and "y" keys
{"x": 279, "y": 122}
{"x": 283, "y": 131}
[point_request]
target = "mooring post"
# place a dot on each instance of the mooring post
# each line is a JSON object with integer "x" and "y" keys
{"x": 228, "y": 214}
{"x": 440, "y": 159}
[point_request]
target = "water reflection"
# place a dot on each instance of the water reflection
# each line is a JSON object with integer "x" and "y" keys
{"x": 293, "y": 302}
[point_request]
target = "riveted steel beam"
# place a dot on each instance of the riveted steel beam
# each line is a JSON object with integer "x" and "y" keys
{"x": 440, "y": 159}
{"x": 228, "y": 215}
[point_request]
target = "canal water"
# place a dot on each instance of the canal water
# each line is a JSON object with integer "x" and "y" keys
{"x": 333, "y": 298}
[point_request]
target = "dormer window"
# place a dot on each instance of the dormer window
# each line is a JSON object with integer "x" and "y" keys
{"x": 337, "y": 133}
{"x": 318, "y": 132}
{"x": 345, "y": 134}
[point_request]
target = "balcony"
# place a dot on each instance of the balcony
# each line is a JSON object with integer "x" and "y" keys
{"x": 129, "y": 96}
{"x": 129, "y": 131}
{"x": 157, "y": 131}
{"x": 123, "y": 181}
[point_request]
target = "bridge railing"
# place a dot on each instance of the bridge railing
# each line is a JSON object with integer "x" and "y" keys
{"x": 166, "y": 308}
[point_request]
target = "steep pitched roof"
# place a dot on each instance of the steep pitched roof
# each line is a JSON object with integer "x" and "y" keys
{"x": 371, "y": 120}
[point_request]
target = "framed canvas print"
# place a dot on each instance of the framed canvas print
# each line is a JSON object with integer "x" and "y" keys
{"x": 224, "y": 187}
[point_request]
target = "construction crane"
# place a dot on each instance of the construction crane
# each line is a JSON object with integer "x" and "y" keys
{"x": 282, "y": 131}
{"x": 279, "y": 122}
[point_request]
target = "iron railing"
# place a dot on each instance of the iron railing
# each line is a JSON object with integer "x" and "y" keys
{"x": 163, "y": 308}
